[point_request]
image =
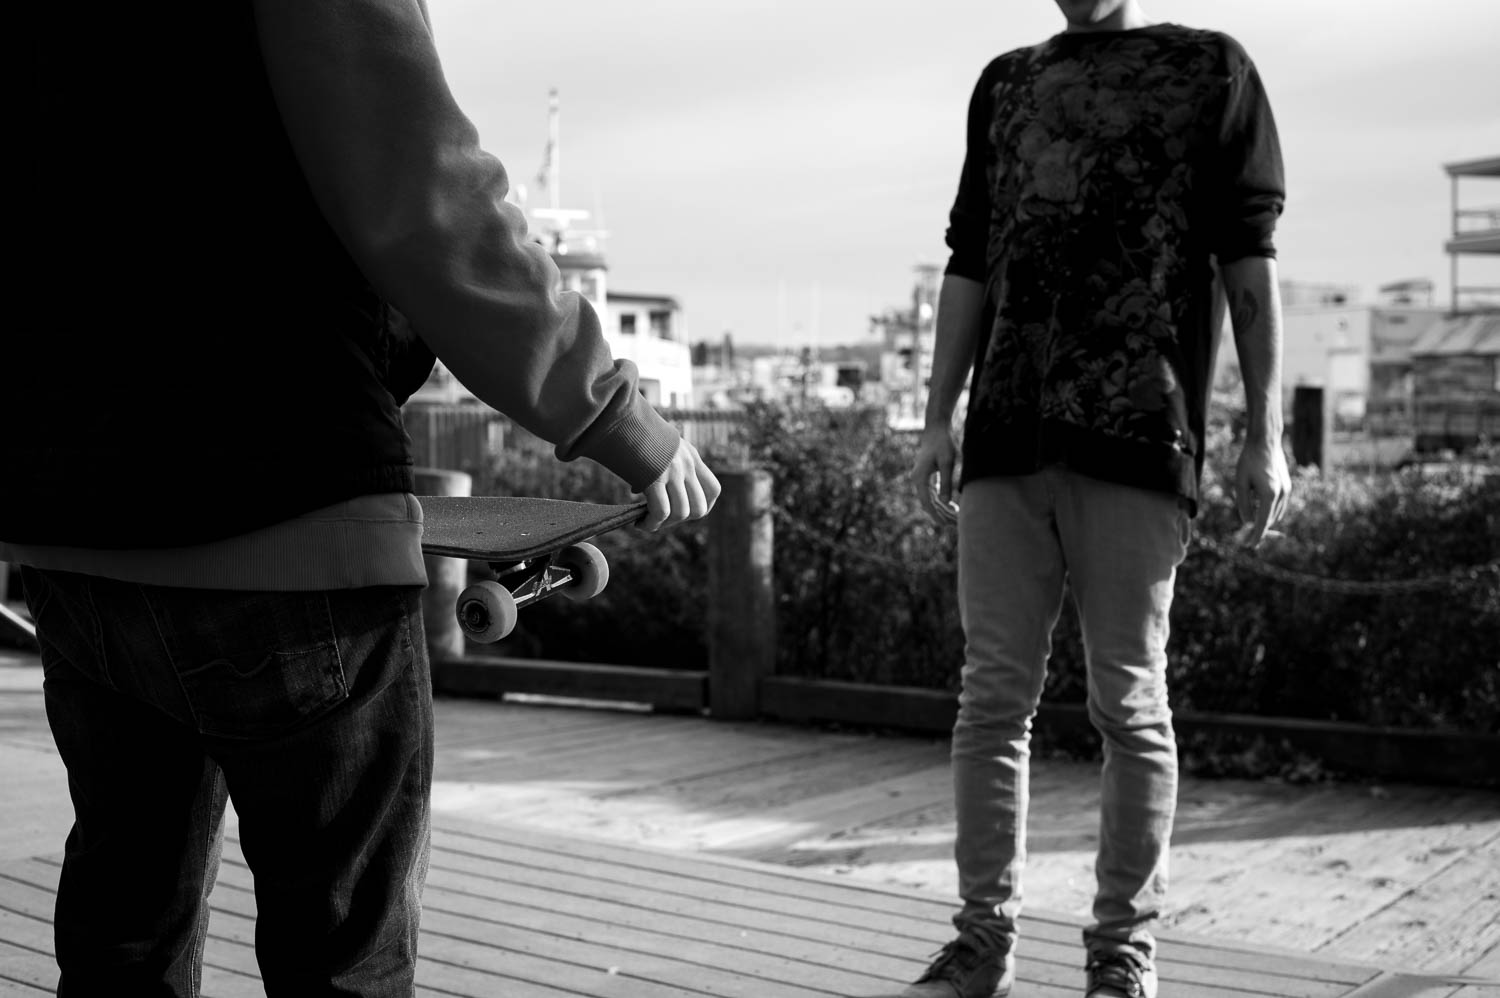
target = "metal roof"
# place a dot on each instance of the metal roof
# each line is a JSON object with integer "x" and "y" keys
{"x": 1461, "y": 334}
{"x": 1489, "y": 166}
{"x": 637, "y": 298}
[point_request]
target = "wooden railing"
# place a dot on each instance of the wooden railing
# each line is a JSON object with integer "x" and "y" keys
{"x": 471, "y": 437}
{"x": 741, "y": 680}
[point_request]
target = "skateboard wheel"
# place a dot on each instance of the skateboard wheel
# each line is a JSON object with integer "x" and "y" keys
{"x": 486, "y": 612}
{"x": 590, "y": 571}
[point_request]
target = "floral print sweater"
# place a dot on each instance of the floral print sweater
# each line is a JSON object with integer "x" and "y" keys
{"x": 1105, "y": 173}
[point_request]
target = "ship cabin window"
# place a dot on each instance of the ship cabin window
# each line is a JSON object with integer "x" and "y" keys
{"x": 661, "y": 324}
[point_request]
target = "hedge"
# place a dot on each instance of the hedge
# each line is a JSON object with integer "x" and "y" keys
{"x": 865, "y": 584}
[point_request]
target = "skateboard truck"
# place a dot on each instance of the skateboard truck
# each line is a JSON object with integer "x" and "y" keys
{"x": 487, "y": 611}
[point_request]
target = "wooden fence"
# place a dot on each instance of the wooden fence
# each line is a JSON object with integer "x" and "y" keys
{"x": 458, "y": 437}
{"x": 475, "y": 439}
{"x": 741, "y": 680}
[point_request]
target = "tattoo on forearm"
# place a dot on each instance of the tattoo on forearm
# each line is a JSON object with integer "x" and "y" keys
{"x": 1246, "y": 310}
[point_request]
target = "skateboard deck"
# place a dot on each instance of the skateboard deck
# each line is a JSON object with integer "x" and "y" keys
{"x": 499, "y": 528}
{"x": 535, "y": 548}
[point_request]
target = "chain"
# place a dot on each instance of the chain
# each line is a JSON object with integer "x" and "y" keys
{"x": 1470, "y": 576}
{"x": 1460, "y": 578}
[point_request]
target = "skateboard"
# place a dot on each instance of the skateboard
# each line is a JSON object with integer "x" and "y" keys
{"x": 535, "y": 548}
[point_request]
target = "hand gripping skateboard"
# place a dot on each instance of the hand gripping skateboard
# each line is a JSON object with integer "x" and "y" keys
{"x": 536, "y": 548}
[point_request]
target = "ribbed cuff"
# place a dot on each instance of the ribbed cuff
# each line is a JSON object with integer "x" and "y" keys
{"x": 638, "y": 447}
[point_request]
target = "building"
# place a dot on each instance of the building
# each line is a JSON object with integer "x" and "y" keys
{"x": 1455, "y": 374}
{"x": 1360, "y": 355}
{"x": 1475, "y": 239}
{"x": 648, "y": 330}
{"x": 909, "y": 335}
{"x": 1456, "y": 383}
{"x": 1357, "y": 354}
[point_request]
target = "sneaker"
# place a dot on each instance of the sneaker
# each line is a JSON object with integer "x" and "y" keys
{"x": 965, "y": 968}
{"x": 1124, "y": 974}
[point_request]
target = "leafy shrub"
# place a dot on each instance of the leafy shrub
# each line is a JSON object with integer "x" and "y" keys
{"x": 866, "y": 584}
{"x": 864, "y": 578}
{"x": 1386, "y": 653}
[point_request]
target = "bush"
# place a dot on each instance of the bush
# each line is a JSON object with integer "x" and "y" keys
{"x": 866, "y": 584}
{"x": 864, "y": 578}
{"x": 1388, "y": 653}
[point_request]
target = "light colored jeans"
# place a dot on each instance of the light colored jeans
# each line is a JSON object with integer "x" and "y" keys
{"x": 1020, "y": 540}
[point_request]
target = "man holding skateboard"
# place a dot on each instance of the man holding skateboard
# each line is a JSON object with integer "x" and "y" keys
{"x": 1110, "y": 170}
{"x": 207, "y": 481}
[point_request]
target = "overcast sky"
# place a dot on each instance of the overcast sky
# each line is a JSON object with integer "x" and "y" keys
{"x": 781, "y": 166}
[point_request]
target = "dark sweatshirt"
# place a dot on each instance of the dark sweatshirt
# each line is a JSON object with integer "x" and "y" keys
{"x": 223, "y": 203}
{"x": 1105, "y": 173}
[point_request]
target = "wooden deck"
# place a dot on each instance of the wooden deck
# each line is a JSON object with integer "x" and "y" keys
{"x": 701, "y": 857}
{"x": 517, "y": 913}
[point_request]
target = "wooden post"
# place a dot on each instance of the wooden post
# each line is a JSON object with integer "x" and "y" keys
{"x": 741, "y": 592}
{"x": 1307, "y": 425}
{"x": 446, "y": 577}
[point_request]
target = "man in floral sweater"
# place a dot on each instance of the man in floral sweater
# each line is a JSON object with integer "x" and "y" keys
{"x": 1112, "y": 171}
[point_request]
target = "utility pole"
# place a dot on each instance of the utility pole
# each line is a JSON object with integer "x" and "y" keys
{"x": 923, "y": 309}
{"x": 554, "y": 148}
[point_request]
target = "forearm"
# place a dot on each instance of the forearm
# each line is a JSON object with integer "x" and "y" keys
{"x": 396, "y": 168}
{"x": 1255, "y": 314}
{"x": 960, "y": 306}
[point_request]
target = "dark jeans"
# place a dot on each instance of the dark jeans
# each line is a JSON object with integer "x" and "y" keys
{"x": 312, "y": 712}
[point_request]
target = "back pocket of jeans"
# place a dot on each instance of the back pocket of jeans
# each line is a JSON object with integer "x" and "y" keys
{"x": 271, "y": 663}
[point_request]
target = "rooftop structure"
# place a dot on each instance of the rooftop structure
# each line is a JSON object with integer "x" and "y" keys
{"x": 1476, "y": 232}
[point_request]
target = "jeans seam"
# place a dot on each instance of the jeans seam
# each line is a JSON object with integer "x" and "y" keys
{"x": 200, "y": 926}
{"x": 167, "y": 651}
{"x": 96, "y": 636}
{"x": 338, "y": 652}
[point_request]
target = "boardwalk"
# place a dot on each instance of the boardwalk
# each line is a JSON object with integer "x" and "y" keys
{"x": 517, "y": 913}
{"x": 541, "y": 874}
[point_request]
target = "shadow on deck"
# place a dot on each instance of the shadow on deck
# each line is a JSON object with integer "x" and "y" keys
{"x": 513, "y": 912}
{"x": 622, "y": 853}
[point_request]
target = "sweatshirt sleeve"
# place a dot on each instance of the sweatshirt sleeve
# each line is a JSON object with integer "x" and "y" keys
{"x": 397, "y": 169}
{"x": 969, "y": 220}
{"x": 1249, "y": 188}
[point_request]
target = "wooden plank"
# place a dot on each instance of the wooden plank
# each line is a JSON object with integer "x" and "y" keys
{"x": 468, "y": 721}
{"x": 858, "y": 944}
{"x": 1392, "y": 985}
{"x": 664, "y": 688}
{"x": 1488, "y": 964}
{"x": 26, "y": 932}
{"x": 228, "y": 972}
{"x": 664, "y": 778}
{"x": 516, "y": 912}
{"x": 219, "y": 983}
{"x": 25, "y": 971}
{"x": 1392, "y": 753}
{"x": 902, "y": 924}
{"x": 1451, "y": 900}
{"x": 580, "y": 955}
{"x": 1305, "y": 865}
{"x": 876, "y": 800}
